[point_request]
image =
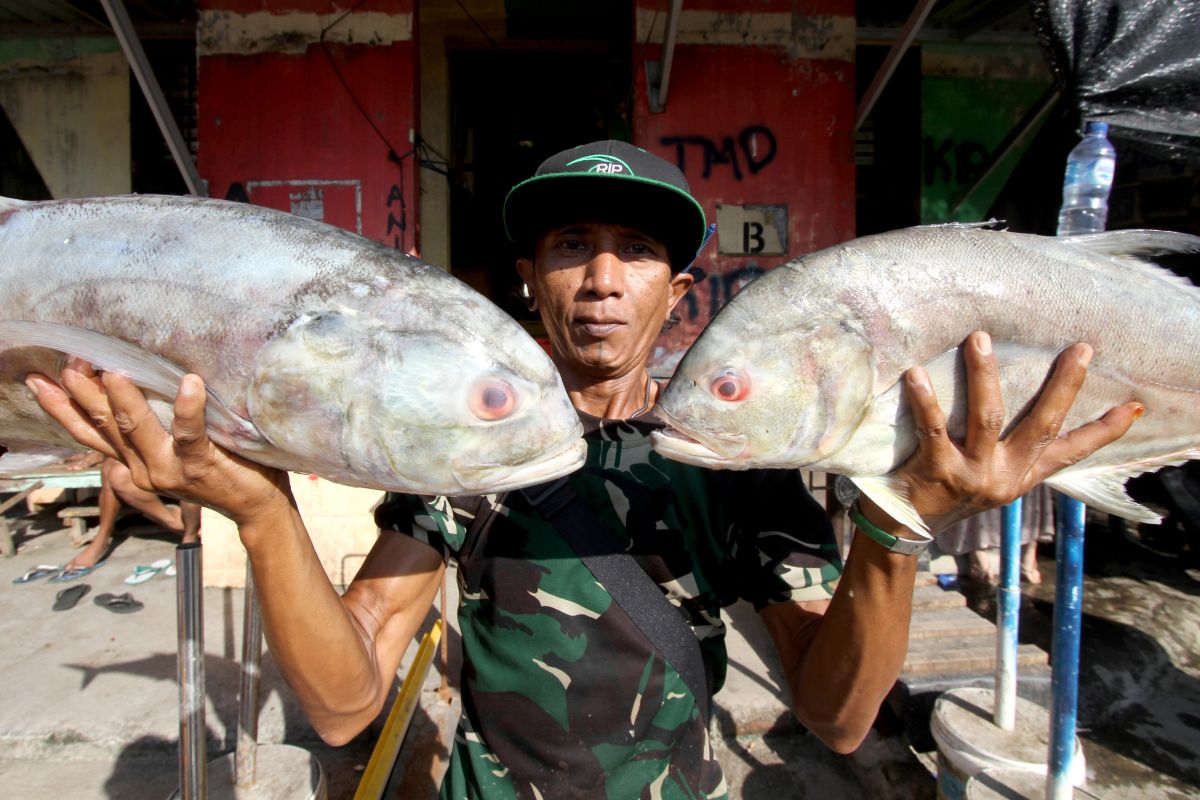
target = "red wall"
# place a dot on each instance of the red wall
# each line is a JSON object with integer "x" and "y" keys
{"x": 284, "y": 127}
{"x": 727, "y": 107}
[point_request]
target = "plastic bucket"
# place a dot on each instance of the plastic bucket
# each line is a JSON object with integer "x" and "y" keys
{"x": 1012, "y": 784}
{"x": 969, "y": 742}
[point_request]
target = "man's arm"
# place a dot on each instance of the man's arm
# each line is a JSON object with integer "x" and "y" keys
{"x": 339, "y": 654}
{"x": 841, "y": 664}
{"x": 841, "y": 656}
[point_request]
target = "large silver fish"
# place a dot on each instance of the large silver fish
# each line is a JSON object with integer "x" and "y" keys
{"x": 802, "y": 368}
{"x": 323, "y": 351}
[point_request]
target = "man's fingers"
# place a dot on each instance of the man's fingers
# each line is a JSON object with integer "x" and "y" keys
{"x": 89, "y": 395}
{"x": 1041, "y": 425}
{"x": 82, "y": 366}
{"x": 985, "y": 402}
{"x": 1085, "y": 440}
{"x": 188, "y": 428}
{"x": 55, "y": 402}
{"x": 929, "y": 420}
{"x": 134, "y": 420}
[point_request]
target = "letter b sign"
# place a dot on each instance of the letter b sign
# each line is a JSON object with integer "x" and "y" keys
{"x": 752, "y": 230}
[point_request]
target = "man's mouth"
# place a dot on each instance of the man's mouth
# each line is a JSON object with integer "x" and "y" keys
{"x": 598, "y": 327}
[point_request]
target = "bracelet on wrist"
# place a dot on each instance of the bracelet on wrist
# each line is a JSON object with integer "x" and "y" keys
{"x": 908, "y": 547}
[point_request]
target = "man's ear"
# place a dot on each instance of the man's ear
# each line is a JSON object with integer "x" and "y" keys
{"x": 525, "y": 269}
{"x": 677, "y": 289}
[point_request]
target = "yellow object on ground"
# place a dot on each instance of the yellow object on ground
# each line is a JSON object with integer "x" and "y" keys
{"x": 383, "y": 758}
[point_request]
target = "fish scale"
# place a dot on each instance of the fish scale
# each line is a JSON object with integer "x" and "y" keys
{"x": 823, "y": 341}
{"x": 323, "y": 351}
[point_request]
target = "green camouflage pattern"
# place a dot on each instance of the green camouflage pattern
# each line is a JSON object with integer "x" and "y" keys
{"x": 563, "y": 696}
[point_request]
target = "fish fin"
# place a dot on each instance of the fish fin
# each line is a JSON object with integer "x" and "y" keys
{"x": 145, "y": 369}
{"x": 11, "y": 203}
{"x": 21, "y": 458}
{"x": 1103, "y": 487}
{"x": 891, "y": 495}
{"x": 991, "y": 224}
{"x": 1133, "y": 250}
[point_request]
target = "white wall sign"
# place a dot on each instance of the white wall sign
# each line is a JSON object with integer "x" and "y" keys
{"x": 752, "y": 230}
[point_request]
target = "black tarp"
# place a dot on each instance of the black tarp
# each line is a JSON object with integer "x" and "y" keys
{"x": 1134, "y": 64}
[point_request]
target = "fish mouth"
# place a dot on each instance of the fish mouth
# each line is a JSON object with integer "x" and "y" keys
{"x": 477, "y": 478}
{"x": 696, "y": 448}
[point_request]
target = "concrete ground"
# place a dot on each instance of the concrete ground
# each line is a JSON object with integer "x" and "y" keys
{"x": 89, "y": 703}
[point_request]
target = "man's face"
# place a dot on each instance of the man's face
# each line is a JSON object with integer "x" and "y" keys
{"x": 603, "y": 292}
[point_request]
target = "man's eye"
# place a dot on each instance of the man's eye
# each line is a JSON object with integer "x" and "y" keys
{"x": 570, "y": 244}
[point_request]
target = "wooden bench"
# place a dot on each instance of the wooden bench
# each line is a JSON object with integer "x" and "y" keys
{"x": 7, "y": 549}
{"x": 78, "y": 517}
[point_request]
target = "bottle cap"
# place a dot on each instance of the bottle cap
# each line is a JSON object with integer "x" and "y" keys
{"x": 1100, "y": 128}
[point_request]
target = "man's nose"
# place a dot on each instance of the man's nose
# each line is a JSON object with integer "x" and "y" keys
{"x": 605, "y": 276}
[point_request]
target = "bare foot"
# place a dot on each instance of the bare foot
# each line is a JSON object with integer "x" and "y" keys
{"x": 82, "y": 461}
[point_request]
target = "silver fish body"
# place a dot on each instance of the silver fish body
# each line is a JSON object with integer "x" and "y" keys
{"x": 323, "y": 351}
{"x": 802, "y": 368}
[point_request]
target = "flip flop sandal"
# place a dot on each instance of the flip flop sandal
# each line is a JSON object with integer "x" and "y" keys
{"x": 40, "y": 571}
{"x": 141, "y": 574}
{"x": 71, "y": 574}
{"x": 119, "y": 603}
{"x": 68, "y": 597}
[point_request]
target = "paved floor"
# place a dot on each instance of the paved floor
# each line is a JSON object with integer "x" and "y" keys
{"x": 89, "y": 704}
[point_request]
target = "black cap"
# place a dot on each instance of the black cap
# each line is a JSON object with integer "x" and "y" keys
{"x": 612, "y": 182}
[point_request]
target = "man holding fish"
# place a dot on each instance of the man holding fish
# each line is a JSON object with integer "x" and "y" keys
{"x": 564, "y": 694}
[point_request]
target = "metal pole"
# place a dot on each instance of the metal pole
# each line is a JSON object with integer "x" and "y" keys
{"x": 246, "y": 762}
{"x": 193, "y": 747}
{"x": 1008, "y": 605}
{"x": 1064, "y": 653}
{"x": 909, "y": 32}
{"x": 1015, "y": 136}
{"x": 118, "y": 17}
{"x": 668, "y": 56}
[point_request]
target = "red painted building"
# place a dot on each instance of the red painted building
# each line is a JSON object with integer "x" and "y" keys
{"x": 308, "y": 107}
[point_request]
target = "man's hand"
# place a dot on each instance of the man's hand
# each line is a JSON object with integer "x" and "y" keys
{"x": 949, "y": 481}
{"x": 107, "y": 413}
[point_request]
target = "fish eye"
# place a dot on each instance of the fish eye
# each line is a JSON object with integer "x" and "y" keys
{"x": 730, "y": 385}
{"x": 492, "y": 399}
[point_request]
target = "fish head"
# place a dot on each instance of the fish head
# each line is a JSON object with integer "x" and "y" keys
{"x": 416, "y": 405}
{"x": 752, "y": 394}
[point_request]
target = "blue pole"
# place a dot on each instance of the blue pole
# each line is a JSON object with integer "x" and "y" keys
{"x": 1064, "y": 676}
{"x": 1008, "y": 605}
{"x": 1086, "y": 186}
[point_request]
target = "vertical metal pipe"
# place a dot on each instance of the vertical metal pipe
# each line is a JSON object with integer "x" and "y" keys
{"x": 189, "y": 604}
{"x": 246, "y": 760}
{"x": 1064, "y": 676}
{"x": 118, "y": 17}
{"x": 1008, "y": 605}
{"x": 668, "y": 55}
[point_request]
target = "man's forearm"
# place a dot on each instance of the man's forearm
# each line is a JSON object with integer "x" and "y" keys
{"x": 859, "y": 646}
{"x": 318, "y": 644}
{"x": 841, "y": 663}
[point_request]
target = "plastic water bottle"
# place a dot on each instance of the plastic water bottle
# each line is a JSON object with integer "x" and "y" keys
{"x": 1089, "y": 177}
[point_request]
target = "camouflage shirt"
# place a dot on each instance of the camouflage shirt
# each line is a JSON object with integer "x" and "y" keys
{"x": 563, "y": 697}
